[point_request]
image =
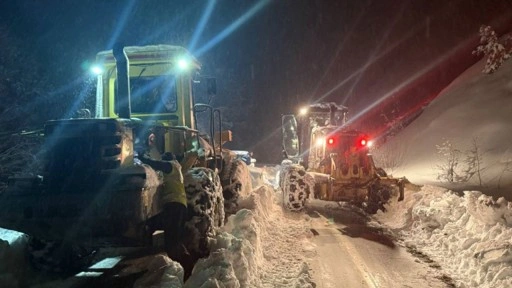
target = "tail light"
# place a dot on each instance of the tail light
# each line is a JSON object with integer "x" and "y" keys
{"x": 362, "y": 142}
{"x": 331, "y": 141}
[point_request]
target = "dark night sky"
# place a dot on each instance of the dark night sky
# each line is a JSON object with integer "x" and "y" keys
{"x": 288, "y": 53}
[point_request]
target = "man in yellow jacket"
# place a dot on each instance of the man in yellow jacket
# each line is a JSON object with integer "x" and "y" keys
{"x": 173, "y": 199}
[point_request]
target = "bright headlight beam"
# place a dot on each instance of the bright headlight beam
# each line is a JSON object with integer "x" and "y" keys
{"x": 375, "y": 53}
{"x": 235, "y": 25}
{"x": 121, "y": 23}
{"x": 338, "y": 50}
{"x": 389, "y": 49}
{"x": 202, "y": 23}
{"x": 411, "y": 79}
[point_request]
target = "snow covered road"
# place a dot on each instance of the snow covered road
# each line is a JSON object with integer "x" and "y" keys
{"x": 350, "y": 253}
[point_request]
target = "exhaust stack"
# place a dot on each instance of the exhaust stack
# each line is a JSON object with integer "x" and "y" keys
{"x": 123, "y": 82}
{"x": 332, "y": 114}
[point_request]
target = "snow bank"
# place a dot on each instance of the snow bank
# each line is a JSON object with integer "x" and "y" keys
{"x": 265, "y": 175}
{"x": 162, "y": 272}
{"x": 470, "y": 236}
{"x": 258, "y": 247}
{"x": 12, "y": 257}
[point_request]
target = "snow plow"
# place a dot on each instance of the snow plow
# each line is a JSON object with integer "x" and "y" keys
{"x": 91, "y": 191}
{"x": 326, "y": 159}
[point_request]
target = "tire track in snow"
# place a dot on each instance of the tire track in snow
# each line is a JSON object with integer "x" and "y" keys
{"x": 284, "y": 242}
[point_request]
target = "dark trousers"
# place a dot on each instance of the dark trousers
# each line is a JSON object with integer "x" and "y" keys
{"x": 172, "y": 221}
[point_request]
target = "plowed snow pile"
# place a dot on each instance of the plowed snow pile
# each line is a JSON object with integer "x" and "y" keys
{"x": 469, "y": 236}
{"x": 258, "y": 247}
{"x": 12, "y": 257}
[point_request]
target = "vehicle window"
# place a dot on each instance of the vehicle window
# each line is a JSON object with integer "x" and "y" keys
{"x": 153, "y": 94}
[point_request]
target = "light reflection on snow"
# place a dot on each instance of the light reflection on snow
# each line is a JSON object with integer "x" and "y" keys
{"x": 10, "y": 235}
{"x": 107, "y": 263}
{"x": 104, "y": 264}
{"x": 89, "y": 274}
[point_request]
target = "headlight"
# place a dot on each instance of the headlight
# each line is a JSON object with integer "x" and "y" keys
{"x": 303, "y": 111}
{"x": 183, "y": 64}
{"x": 96, "y": 69}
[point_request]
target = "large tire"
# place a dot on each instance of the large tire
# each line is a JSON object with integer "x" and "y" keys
{"x": 296, "y": 187}
{"x": 205, "y": 209}
{"x": 236, "y": 183}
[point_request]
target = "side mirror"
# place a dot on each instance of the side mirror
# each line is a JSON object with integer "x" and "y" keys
{"x": 290, "y": 136}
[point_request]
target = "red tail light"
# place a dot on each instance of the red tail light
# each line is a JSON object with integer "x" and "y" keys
{"x": 330, "y": 141}
{"x": 362, "y": 142}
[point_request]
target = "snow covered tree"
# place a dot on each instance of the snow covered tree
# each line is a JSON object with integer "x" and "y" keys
{"x": 491, "y": 47}
{"x": 473, "y": 163}
{"x": 391, "y": 157}
{"x": 460, "y": 166}
{"x": 451, "y": 159}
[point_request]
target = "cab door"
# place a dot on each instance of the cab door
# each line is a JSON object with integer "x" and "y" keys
{"x": 291, "y": 149}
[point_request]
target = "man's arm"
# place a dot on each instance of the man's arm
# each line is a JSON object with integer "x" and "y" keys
{"x": 163, "y": 166}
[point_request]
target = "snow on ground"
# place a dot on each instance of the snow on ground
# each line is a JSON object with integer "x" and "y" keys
{"x": 260, "y": 246}
{"x": 469, "y": 236}
{"x": 12, "y": 258}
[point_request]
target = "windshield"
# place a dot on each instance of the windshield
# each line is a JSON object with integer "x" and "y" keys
{"x": 153, "y": 94}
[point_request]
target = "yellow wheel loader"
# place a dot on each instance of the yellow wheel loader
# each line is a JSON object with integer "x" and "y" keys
{"x": 92, "y": 192}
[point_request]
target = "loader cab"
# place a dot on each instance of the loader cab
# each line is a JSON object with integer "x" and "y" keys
{"x": 160, "y": 81}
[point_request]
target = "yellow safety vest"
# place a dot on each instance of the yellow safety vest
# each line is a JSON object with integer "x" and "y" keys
{"x": 174, "y": 189}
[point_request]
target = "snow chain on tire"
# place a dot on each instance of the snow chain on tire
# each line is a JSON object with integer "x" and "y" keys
{"x": 205, "y": 207}
{"x": 296, "y": 186}
{"x": 234, "y": 185}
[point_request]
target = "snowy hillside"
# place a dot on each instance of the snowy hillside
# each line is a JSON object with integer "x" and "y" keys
{"x": 462, "y": 140}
